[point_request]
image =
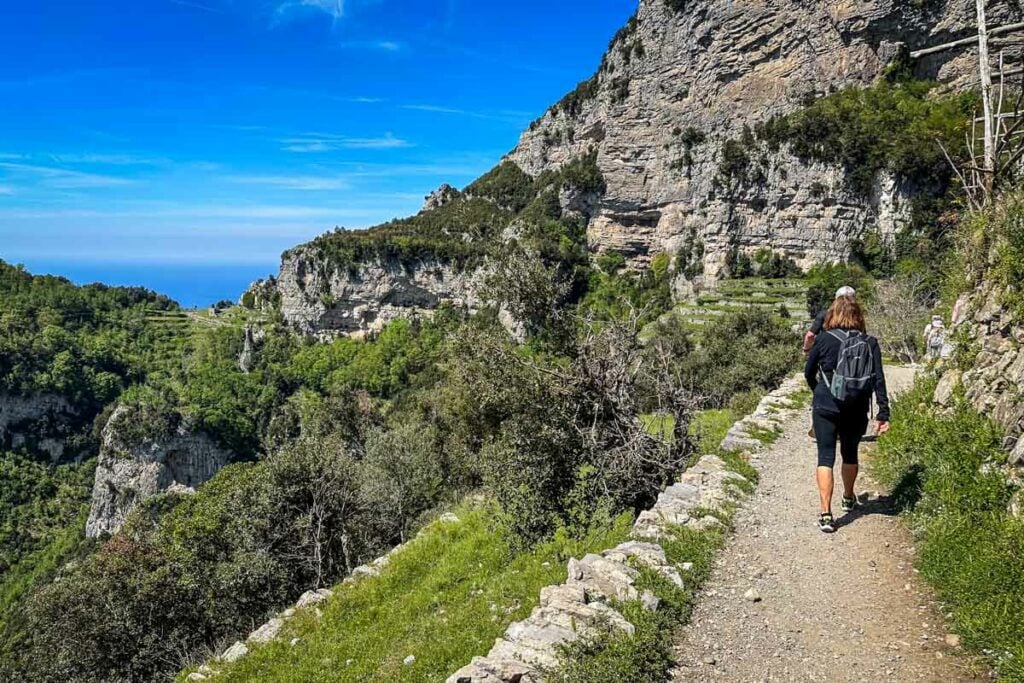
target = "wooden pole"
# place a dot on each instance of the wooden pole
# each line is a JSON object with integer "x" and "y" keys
{"x": 986, "y": 92}
{"x": 1006, "y": 28}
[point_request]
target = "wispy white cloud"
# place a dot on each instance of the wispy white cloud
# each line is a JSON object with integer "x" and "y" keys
{"x": 318, "y": 142}
{"x": 304, "y": 183}
{"x": 333, "y": 8}
{"x": 6, "y": 190}
{"x": 383, "y": 45}
{"x": 219, "y": 211}
{"x": 66, "y": 179}
{"x": 513, "y": 117}
{"x": 198, "y": 6}
{"x": 108, "y": 159}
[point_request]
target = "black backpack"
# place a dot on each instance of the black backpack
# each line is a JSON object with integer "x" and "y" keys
{"x": 854, "y": 376}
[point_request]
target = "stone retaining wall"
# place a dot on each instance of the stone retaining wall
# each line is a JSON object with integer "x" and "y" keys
{"x": 583, "y": 605}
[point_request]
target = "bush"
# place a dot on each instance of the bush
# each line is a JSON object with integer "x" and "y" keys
{"x": 824, "y": 280}
{"x": 739, "y": 352}
{"x": 254, "y": 537}
{"x": 564, "y": 438}
{"x": 941, "y": 467}
{"x": 506, "y": 184}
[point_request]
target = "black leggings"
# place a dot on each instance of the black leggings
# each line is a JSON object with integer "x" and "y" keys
{"x": 848, "y": 429}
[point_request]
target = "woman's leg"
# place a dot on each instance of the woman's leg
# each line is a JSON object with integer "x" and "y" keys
{"x": 849, "y": 439}
{"x": 825, "y": 434}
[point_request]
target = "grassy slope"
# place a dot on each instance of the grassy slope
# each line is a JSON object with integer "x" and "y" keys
{"x": 939, "y": 468}
{"x": 443, "y": 599}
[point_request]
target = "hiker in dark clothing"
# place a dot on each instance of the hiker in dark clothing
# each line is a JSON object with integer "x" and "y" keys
{"x": 818, "y": 325}
{"x": 846, "y": 362}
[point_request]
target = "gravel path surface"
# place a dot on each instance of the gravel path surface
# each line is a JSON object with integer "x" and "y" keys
{"x": 840, "y": 607}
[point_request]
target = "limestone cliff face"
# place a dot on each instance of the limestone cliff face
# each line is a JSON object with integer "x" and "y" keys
{"x": 39, "y": 423}
{"x": 129, "y": 471}
{"x": 675, "y": 84}
{"x": 362, "y": 300}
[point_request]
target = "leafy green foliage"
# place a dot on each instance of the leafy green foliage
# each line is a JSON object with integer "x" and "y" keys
{"x": 83, "y": 343}
{"x": 889, "y": 126}
{"x": 765, "y": 263}
{"x": 613, "y": 656}
{"x": 458, "y": 232}
{"x": 823, "y": 281}
{"x": 37, "y": 501}
{"x": 253, "y": 537}
{"x": 506, "y": 185}
{"x": 1009, "y": 259}
{"x": 736, "y": 353}
{"x": 940, "y": 467}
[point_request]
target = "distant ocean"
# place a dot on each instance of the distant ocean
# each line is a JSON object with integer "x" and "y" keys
{"x": 191, "y": 285}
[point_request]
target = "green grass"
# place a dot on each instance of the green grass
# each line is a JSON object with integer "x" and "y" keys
{"x": 444, "y": 599}
{"x": 662, "y": 426}
{"x": 765, "y": 436}
{"x": 939, "y": 468}
{"x": 709, "y": 427}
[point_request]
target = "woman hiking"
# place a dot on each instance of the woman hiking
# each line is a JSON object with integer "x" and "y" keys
{"x": 844, "y": 369}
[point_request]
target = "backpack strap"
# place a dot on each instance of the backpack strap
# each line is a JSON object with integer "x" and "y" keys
{"x": 841, "y": 335}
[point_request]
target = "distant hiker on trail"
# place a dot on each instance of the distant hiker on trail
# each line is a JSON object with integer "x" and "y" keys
{"x": 844, "y": 369}
{"x": 819, "y": 321}
{"x": 935, "y": 337}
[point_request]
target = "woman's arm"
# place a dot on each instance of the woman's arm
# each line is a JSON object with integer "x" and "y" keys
{"x": 881, "y": 391}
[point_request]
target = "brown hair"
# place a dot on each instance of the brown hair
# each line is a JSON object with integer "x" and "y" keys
{"x": 845, "y": 314}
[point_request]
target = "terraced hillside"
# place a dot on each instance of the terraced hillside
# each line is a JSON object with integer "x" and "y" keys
{"x": 785, "y": 297}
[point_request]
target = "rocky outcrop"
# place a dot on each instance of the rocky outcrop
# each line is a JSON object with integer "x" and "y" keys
{"x": 132, "y": 469}
{"x": 675, "y": 84}
{"x": 39, "y": 424}
{"x": 320, "y": 299}
{"x": 586, "y": 603}
{"x": 993, "y": 382}
{"x": 439, "y": 197}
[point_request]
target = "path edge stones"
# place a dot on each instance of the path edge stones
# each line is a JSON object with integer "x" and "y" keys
{"x": 583, "y": 604}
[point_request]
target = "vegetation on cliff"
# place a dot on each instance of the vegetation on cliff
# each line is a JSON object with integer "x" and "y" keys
{"x": 468, "y": 228}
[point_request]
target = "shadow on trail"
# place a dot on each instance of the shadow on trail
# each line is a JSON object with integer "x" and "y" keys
{"x": 883, "y": 505}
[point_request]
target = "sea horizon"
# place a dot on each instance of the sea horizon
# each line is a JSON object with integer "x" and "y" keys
{"x": 191, "y": 284}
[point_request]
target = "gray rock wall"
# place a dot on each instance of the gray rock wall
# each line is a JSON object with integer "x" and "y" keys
{"x": 715, "y": 67}
{"x": 321, "y": 300}
{"x": 994, "y": 380}
{"x": 39, "y": 423}
{"x": 128, "y": 472}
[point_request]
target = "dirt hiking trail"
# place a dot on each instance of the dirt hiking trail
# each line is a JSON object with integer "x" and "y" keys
{"x": 841, "y": 607}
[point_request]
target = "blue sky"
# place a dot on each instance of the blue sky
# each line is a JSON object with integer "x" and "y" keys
{"x": 143, "y": 139}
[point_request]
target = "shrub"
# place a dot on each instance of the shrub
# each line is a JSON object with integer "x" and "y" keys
{"x": 824, "y": 280}
{"x": 734, "y": 162}
{"x": 739, "y": 352}
{"x": 254, "y": 537}
{"x": 506, "y": 184}
{"x": 889, "y": 126}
